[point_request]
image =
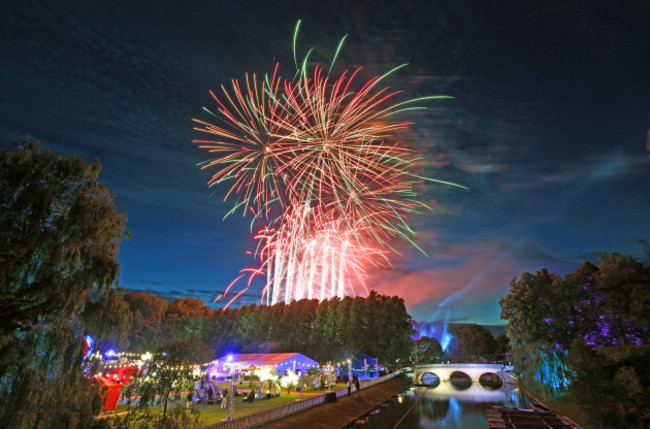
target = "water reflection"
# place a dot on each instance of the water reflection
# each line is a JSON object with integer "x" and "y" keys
{"x": 442, "y": 406}
{"x": 474, "y": 393}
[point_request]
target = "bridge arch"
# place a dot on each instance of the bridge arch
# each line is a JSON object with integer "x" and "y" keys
{"x": 429, "y": 379}
{"x": 460, "y": 380}
{"x": 491, "y": 380}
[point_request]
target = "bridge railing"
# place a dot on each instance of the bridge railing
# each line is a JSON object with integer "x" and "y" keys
{"x": 271, "y": 414}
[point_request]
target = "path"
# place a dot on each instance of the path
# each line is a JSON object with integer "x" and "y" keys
{"x": 345, "y": 410}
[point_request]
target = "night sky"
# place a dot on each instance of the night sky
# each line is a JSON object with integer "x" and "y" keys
{"x": 549, "y": 128}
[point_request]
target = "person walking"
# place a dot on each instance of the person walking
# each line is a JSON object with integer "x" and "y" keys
{"x": 349, "y": 387}
{"x": 357, "y": 386}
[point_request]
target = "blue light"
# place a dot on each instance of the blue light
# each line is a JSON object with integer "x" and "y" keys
{"x": 455, "y": 409}
{"x": 109, "y": 353}
{"x": 445, "y": 340}
{"x": 90, "y": 346}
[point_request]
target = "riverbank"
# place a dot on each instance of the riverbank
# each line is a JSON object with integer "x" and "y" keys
{"x": 561, "y": 404}
{"x": 345, "y": 410}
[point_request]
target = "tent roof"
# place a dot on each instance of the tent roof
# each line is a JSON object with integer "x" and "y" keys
{"x": 260, "y": 359}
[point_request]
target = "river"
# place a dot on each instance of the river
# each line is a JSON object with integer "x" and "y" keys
{"x": 443, "y": 406}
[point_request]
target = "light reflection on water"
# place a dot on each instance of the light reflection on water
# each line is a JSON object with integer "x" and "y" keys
{"x": 443, "y": 406}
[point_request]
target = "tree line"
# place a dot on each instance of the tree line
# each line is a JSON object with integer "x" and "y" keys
{"x": 376, "y": 326}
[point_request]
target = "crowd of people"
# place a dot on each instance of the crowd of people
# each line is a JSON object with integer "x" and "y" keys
{"x": 210, "y": 391}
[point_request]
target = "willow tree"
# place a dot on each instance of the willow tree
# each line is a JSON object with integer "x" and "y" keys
{"x": 60, "y": 235}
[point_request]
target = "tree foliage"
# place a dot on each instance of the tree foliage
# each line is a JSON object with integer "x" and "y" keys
{"x": 429, "y": 350}
{"x": 529, "y": 308}
{"x": 471, "y": 342}
{"x": 608, "y": 304}
{"x": 623, "y": 299}
{"x": 616, "y": 376}
{"x": 58, "y": 273}
{"x": 45, "y": 386}
{"x": 147, "y": 312}
{"x": 60, "y": 236}
{"x": 559, "y": 329}
{"x": 152, "y": 400}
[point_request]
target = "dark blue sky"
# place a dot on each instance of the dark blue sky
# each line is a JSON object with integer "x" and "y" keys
{"x": 549, "y": 127}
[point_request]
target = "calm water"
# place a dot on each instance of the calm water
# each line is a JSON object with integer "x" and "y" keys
{"x": 443, "y": 406}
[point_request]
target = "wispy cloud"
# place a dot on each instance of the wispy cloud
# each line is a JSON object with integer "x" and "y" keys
{"x": 481, "y": 274}
{"x": 581, "y": 173}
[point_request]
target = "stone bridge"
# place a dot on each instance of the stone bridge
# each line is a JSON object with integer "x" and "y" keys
{"x": 438, "y": 373}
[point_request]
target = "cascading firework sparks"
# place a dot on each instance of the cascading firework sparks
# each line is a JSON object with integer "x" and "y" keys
{"x": 312, "y": 259}
{"x": 320, "y": 151}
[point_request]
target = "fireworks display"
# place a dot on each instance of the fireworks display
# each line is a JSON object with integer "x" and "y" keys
{"x": 315, "y": 160}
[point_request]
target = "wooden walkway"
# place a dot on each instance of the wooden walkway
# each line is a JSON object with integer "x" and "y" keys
{"x": 514, "y": 418}
{"x": 345, "y": 410}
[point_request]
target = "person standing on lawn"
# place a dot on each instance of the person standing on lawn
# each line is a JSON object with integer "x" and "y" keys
{"x": 224, "y": 399}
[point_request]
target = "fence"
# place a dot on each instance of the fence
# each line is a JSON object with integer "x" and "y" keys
{"x": 288, "y": 409}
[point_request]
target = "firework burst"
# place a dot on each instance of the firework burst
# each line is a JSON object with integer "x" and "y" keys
{"x": 322, "y": 150}
{"x": 246, "y": 143}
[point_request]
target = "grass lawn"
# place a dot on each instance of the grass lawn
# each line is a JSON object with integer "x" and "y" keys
{"x": 245, "y": 387}
{"x": 211, "y": 414}
{"x": 332, "y": 389}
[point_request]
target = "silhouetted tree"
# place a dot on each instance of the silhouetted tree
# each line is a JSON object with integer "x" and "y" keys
{"x": 471, "y": 342}
{"x": 502, "y": 345}
{"x": 604, "y": 305}
{"x": 611, "y": 384}
{"x": 429, "y": 350}
{"x": 108, "y": 319}
{"x": 595, "y": 306}
{"x": 528, "y": 307}
{"x": 147, "y": 313}
{"x": 60, "y": 235}
{"x": 623, "y": 290}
